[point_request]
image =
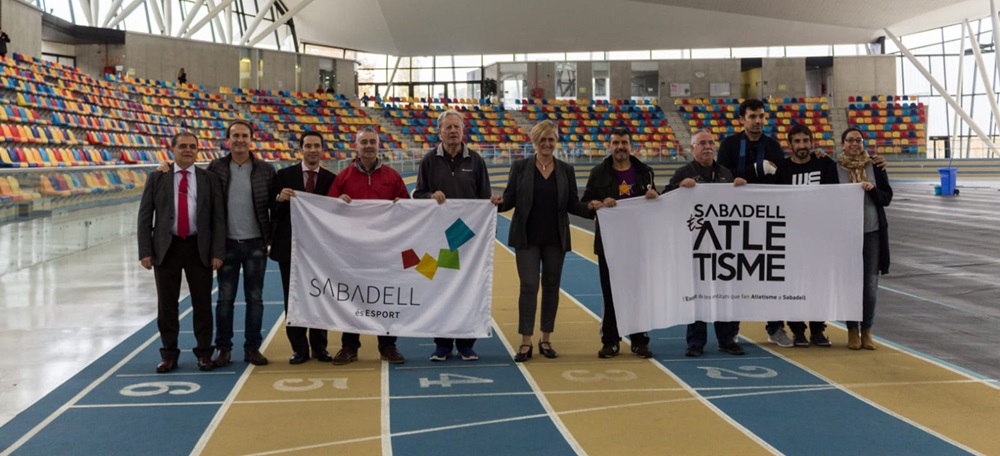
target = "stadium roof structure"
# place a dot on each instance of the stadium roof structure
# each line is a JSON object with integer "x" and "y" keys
{"x": 460, "y": 27}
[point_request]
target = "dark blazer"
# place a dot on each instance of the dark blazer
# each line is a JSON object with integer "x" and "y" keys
{"x": 520, "y": 193}
{"x": 156, "y": 216}
{"x": 881, "y": 195}
{"x": 281, "y": 213}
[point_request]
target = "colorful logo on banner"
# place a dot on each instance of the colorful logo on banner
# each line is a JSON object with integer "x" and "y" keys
{"x": 457, "y": 234}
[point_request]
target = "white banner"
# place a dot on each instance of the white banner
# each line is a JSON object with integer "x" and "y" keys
{"x": 719, "y": 253}
{"x": 411, "y": 268}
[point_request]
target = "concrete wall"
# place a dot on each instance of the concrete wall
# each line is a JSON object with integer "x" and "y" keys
{"x": 279, "y": 71}
{"x": 542, "y": 75}
{"x": 159, "y": 57}
{"x": 863, "y": 75}
{"x": 621, "y": 81}
{"x": 785, "y": 77}
{"x": 309, "y": 72}
{"x": 92, "y": 58}
{"x": 345, "y": 78}
{"x": 23, "y": 24}
{"x": 209, "y": 64}
{"x": 584, "y": 81}
{"x": 688, "y": 72}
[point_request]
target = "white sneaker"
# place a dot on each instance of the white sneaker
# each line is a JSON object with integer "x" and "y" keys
{"x": 780, "y": 338}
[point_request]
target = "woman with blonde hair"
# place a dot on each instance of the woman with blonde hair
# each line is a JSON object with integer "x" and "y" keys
{"x": 855, "y": 166}
{"x": 542, "y": 191}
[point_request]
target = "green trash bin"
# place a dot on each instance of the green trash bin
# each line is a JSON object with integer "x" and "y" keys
{"x": 948, "y": 176}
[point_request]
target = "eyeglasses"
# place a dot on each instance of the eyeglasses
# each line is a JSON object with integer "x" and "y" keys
{"x": 854, "y": 140}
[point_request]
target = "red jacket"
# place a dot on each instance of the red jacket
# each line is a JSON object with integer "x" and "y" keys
{"x": 383, "y": 183}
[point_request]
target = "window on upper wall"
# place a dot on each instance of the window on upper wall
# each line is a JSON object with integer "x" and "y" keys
{"x": 566, "y": 80}
{"x": 602, "y": 80}
{"x": 717, "y": 53}
{"x": 629, "y": 55}
{"x": 671, "y": 54}
{"x": 808, "y": 51}
{"x": 749, "y": 52}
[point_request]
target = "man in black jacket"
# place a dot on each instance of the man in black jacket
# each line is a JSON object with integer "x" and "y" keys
{"x": 619, "y": 176}
{"x": 306, "y": 176}
{"x": 451, "y": 170}
{"x": 753, "y": 156}
{"x": 246, "y": 183}
{"x": 704, "y": 169}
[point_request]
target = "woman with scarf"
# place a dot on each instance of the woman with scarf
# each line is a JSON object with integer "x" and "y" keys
{"x": 855, "y": 166}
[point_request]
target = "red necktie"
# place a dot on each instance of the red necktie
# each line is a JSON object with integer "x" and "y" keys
{"x": 311, "y": 181}
{"x": 183, "y": 226}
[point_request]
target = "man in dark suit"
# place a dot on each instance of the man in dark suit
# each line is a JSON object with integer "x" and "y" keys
{"x": 182, "y": 227}
{"x": 310, "y": 177}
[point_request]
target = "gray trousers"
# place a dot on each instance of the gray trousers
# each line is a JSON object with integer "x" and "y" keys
{"x": 536, "y": 262}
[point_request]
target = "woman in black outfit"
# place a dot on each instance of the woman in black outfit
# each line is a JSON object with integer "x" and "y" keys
{"x": 543, "y": 190}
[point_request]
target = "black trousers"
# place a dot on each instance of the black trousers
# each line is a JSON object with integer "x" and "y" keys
{"x": 182, "y": 258}
{"x": 353, "y": 340}
{"x": 799, "y": 327}
{"x": 609, "y": 323}
{"x": 297, "y": 334}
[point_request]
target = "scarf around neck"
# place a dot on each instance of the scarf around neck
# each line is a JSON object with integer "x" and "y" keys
{"x": 855, "y": 166}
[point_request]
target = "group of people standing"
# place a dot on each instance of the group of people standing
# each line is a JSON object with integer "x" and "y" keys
{"x": 540, "y": 226}
{"x": 235, "y": 213}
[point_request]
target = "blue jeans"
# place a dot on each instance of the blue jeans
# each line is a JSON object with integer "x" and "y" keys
{"x": 869, "y": 293}
{"x": 251, "y": 256}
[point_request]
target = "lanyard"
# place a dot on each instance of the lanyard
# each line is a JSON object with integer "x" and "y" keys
{"x": 741, "y": 164}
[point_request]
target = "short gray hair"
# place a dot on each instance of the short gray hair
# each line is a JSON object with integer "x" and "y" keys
{"x": 450, "y": 112}
{"x": 701, "y": 130}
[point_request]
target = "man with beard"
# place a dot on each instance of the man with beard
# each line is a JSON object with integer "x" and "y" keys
{"x": 619, "y": 176}
{"x": 802, "y": 168}
{"x": 310, "y": 177}
{"x": 451, "y": 170}
{"x": 368, "y": 178}
{"x": 753, "y": 155}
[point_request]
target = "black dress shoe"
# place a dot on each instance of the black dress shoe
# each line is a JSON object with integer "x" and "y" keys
{"x": 166, "y": 365}
{"x": 322, "y": 356}
{"x": 523, "y": 356}
{"x": 223, "y": 358}
{"x": 298, "y": 358}
{"x": 545, "y": 349}
{"x": 205, "y": 363}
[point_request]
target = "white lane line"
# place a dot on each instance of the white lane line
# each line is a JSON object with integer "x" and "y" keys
{"x": 69, "y": 404}
{"x": 177, "y": 374}
{"x": 72, "y": 402}
{"x": 871, "y": 403}
{"x": 921, "y": 298}
{"x": 147, "y": 404}
{"x": 221, "y": 413}
{"x": 539, "y": 395}
{"x": 450, "y": 366}
{"x": 404, "y": 434}
{"x": 386, "y": 422}
{"x": 692, "y": 391}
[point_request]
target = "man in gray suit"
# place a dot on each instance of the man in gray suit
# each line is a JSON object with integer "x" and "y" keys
{"x": 182, "y": 227}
